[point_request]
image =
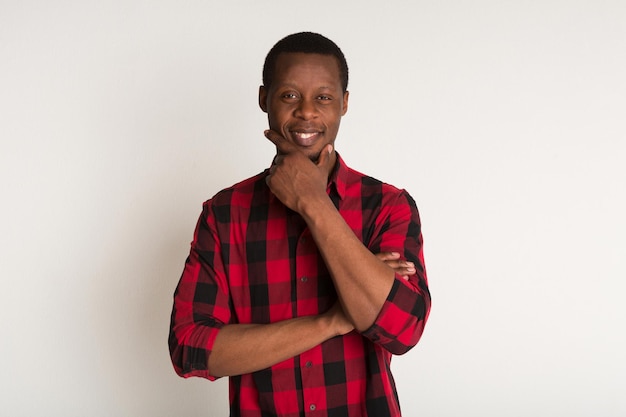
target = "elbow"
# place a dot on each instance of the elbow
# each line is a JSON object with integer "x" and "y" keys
{"x": 400, "y": 347}
{"x": 398, "y": 333}
{"x": 188, "y": 360}
{"x": 399, "y": 344}
{"x": 215, "y": 367}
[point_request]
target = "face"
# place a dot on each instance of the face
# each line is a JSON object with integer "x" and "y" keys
{"x": 305, "y": 100}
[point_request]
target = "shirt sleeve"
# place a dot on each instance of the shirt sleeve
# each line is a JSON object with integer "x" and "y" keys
{"x": 201, "y": 301}
{"x": 401, "y": 321}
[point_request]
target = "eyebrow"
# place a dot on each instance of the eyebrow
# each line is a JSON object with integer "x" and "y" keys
{"x": 294, "y": 86}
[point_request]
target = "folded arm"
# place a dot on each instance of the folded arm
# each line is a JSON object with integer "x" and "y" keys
{"x": 372, "y": 295}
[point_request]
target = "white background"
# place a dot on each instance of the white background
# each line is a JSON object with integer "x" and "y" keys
{"x": 504, "y": 119}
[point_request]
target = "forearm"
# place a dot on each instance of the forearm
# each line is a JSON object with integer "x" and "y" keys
{"x": 246, "y": 348}
{"x": 362, "y": 280}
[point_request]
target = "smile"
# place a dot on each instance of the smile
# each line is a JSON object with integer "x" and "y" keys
{"x": 305, "y": 138}
{"x": 305, "y": 135}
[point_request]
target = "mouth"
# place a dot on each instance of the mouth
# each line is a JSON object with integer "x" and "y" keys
{"x": 305, "y": 138}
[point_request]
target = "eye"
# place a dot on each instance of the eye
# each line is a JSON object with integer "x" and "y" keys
{"x": 289, "y": 96}
{"x": 324, "y": 97}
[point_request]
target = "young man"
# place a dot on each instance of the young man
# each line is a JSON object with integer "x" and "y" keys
{"x": 302, "y": 281}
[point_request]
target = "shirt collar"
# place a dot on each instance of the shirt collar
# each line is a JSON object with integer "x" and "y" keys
{"x": 339, "y": 177}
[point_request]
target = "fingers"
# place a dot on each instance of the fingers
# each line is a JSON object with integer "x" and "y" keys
{"x": 400, "y": 267}
{"x": 282, "y": 144}
{"x": 388, "y": 256}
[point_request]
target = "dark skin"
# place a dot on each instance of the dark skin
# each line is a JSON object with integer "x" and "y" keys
{"x": 305, "y": 103}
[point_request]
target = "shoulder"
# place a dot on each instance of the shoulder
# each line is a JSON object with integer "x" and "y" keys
{"x": 239, "y": 194}
{"x": 367, "y": 185}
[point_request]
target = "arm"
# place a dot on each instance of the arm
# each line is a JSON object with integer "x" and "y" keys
{"x": 396, "y": 313}
{"x": 201, "y": 301}
{"x": 362, "y": 281}
{"x": 401, "y": 321}
{"x": 365, "y": 285}
{"x": 203, "y": 343}
{"x": 245, "y": 348}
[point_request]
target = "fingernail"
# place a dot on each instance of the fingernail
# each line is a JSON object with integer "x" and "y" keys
{"x": 330, "y": 149}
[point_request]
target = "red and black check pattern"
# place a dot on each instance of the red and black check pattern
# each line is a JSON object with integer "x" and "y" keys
{"x": 253, "y": 260}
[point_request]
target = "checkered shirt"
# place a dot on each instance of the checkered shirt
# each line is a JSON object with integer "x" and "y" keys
{"x": 253, "y": 260}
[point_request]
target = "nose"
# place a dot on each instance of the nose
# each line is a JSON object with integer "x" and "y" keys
{"x": 306, "y": 110}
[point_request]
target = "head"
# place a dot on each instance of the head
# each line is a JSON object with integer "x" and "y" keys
{"x": 307, "y": 43}
{"x": 304, "y": 91}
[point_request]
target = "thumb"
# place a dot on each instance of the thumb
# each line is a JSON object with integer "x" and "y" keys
{"x": 324, "y": 158}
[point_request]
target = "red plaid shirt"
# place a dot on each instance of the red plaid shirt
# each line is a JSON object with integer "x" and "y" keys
{"x": 253, "y": 260}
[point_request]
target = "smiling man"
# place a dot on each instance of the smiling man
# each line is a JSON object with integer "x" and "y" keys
{"x": 305, "y": 100}
{"x": 302, "y": 281}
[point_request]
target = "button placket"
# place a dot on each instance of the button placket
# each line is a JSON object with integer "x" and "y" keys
{"x": 312, "y": 379}
{"x": 305, "y": 275}
{"x": 305, "y": 281}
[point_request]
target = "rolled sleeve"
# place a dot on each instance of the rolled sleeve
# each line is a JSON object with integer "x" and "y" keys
{"x": 401, "y": 320}
{"x": 201, "y": 302}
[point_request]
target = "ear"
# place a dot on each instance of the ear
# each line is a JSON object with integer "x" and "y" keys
{"x": 263, "y": 98}
{"x": 345, "y": 103}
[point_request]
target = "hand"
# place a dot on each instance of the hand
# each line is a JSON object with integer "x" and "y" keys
{"x": 293, "y": 177}
{"x": 338, "y": 319}
{"x": 402, "y": 268}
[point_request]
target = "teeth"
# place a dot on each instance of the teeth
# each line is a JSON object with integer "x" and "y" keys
{"x": 305, "y": 135}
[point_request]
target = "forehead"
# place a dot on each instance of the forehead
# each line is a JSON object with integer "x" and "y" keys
{"x": 302, "y": 68}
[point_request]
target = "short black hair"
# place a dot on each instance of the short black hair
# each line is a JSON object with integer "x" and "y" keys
{"x": 308, "y": 43}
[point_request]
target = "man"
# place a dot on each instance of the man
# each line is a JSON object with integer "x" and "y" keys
{"x": 303, "y": 280}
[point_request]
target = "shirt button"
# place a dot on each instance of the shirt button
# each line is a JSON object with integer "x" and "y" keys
{"x": 304, "y": 279}
{"x": 312, "y": 407}
{"x": 308, "y": 364}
